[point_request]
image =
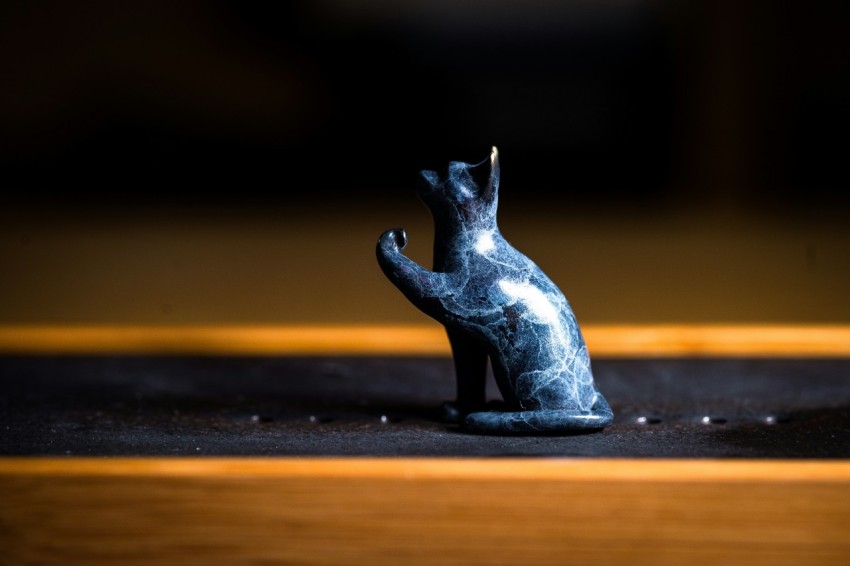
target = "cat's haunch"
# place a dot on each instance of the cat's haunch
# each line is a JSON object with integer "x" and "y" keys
{"x": 496, "y": 303}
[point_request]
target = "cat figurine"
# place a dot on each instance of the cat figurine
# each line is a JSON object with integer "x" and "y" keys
{"x": 496, "y": 303}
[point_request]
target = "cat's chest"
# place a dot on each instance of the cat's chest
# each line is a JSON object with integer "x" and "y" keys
{"x": 480, "y": 279}
{"x": 494, "y": 275}
{"x": 487, "y": 263}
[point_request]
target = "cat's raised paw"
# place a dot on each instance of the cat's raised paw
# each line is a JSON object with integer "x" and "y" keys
{"x": 393, "y": 240}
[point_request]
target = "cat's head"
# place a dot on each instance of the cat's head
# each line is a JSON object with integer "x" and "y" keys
{"x": 467, "y": 193}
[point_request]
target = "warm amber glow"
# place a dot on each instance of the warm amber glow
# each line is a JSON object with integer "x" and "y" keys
{"x": 417, "y": 340}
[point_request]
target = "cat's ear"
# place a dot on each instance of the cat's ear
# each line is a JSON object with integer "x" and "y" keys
{"x": 485, "y": 176}
{"x": 430, "y": 178}
{"x": 491, "y": 189}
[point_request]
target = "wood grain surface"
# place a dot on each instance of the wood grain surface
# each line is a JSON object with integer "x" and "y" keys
{"x": 602, "y": 340}
{"x": 423, "y": 511}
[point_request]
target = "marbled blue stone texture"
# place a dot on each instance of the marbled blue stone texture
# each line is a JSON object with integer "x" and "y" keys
{"x": 496, "y": 303}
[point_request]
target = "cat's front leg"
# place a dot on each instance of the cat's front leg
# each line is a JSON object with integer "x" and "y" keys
{"x": 470, "y": 360}
{"x": 422, "y": 287}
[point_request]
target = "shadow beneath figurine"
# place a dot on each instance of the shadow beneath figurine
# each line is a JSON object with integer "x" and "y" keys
{"x": 461, "y": 430}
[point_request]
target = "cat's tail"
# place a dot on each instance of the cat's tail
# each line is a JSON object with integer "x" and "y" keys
{"x": 541, "y": 421}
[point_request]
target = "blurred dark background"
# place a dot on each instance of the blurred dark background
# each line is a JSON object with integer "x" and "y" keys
{"x": 609, "y": 101}
{"x": 148, "y": 150}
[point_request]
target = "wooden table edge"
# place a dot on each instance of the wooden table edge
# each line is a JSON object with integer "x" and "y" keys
{"x": 605, "y": 340}
{"x": 421, "y": 468}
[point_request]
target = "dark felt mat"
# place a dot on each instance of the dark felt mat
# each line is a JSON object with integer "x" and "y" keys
{"x": 250, "y": 406}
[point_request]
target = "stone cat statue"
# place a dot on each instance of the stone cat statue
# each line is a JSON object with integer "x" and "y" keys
{"x": 496, "y": 303}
